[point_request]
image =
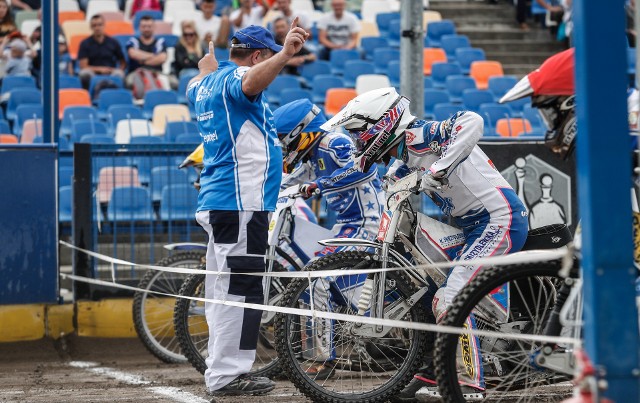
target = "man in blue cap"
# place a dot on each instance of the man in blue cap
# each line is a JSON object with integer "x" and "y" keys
{"x": 239, "y": 189}
{"x": 321, "y": 161}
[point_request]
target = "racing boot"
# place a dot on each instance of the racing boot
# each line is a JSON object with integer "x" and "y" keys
{"x": 423, "y": 379}
{"x": 431, "y": 394}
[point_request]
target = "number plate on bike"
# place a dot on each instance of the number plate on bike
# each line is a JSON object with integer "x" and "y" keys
{"x": 385, "y": 220}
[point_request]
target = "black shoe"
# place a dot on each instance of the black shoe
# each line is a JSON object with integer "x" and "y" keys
{"x": 419, "y": 381}
{"x": 245, "y": 385}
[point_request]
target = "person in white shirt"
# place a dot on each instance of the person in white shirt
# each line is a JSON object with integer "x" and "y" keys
{"x": 248, "y": 14}
{"x": 338, "y": 29}
{"x": 211, "y": 27}
{"x": 283, "y": 8}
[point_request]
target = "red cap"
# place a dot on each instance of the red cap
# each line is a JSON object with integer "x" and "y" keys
{"x": 555, "y": 76}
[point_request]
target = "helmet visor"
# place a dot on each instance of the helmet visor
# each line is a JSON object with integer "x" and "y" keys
{"x": 290, "y": 137}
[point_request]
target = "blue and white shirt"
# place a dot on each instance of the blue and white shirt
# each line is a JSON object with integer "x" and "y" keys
{"x": 242, "y": 153}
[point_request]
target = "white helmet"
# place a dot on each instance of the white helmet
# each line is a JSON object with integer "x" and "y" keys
{"x": 376, "y": 120}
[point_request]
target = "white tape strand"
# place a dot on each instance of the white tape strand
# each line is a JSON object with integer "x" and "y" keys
{"x": 343, "y": 317}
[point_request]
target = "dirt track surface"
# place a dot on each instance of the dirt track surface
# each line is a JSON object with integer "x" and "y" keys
{"x": 88, "y": 370}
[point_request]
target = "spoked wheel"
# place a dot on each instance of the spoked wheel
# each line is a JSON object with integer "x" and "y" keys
{"x": 193, "y": 332}
{"x": 509, "y": 367}
{"x": 336, "y": 361}
{"x": 153, "y": 314}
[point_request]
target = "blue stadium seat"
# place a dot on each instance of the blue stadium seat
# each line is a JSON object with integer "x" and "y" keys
{"x": 445, "y": 111}
{"x": 338, "y": 57}
{"x": 292, "y": 94}
{"x": 472, "y": 98}
{"x": 432, "y": 97}
{"x": 75, "y": 113}
{"x": 466, "y": 56}
{"x": 98, "y": 78}
{"x": 499, "y": 85}
{"x": 155, "y": 14}
{"x": 441, "y": 70}
{"x": 355, "y": 68}
{"x": 122, "y": 40}
{"x": 457, "y": 84}
{"x": 25, "y": 112}
{"x": 63, "y": 145}
{"x": 517, "y": 105}
{"x": 491, "y": 113}
{"x": 116, "y": 113}
{"x": 436, "y": 30}
{"x": 97, "y": 139}
{"x": 157, "y": 97}
{"x": 130, "y": 203}
{"x": 188, "y": 138}
{"x": 67, "y": 81}
{"x": 162, "y": 176}
{"x": 370, "y": 43}
{"x": 178, "y": 202}
{"x": 280, "y": 83}
{"x": 82, "y": 127}
{"x": 183, "y": 83}
{"x": 533, "y": 116}
{"x": 10, "y": 83}
{"x": 428, "y": 82}
{"x": 394, "y": 34}
{"x": 174, "y": 129}
{"x": 64, "y": 176}
{"x": 22, "y": 96}
{"x": 382, "y": 57}
{"x": 309, "y": 71}
{"x": 112, "y": 96}
{"x": 452, "y": 42}
{"x": 147, "y": 162}
{"x": 384, "y": 19}
{"x": 631, "y": 60}
{"x": 5, "y": 128}
{"x": 146, "y": 140}
{"x": 65, "y": 207}
{"x": 393, "y": 72}
{"x": 171, "y": 41}
{"x": 323, "y": 82}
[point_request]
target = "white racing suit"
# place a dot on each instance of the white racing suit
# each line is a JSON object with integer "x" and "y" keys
{"x": 358, "y": 199}
{"x": 482, "y": 203}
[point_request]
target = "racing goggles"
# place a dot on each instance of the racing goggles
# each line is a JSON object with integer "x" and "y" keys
{"x": 304, "y": 144}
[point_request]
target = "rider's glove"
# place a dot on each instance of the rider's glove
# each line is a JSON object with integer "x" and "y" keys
{"x": 309, "y": 189}
{"x": 430, "y": 182}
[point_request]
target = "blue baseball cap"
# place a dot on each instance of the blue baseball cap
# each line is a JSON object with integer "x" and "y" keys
{"x": 255, "y": 37}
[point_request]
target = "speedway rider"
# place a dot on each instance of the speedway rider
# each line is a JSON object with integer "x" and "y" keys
{"x": 321, "y": 162}
{"x": 457, "y": 175}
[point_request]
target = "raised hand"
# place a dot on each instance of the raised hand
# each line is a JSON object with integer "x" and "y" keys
{"x": 295, "y": 39}
{"x": 208, "y": 64}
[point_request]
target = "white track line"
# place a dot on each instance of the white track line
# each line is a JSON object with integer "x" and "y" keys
{"x": 175, "y": 394}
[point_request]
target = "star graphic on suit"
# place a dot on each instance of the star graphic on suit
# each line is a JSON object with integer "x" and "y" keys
{"x": 374, "y": 219}
{"x": 366, "y": 190}
{"x": 370, "y": 206}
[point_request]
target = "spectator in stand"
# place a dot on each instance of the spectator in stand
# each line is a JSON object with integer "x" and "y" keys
{"x": 521, "y": 14}
{"x": 17, "y": 56}
{"x": 65, "y": 64}
{"x": 7, "y": 25}
{"x": 139, "y": 5}
{"x": 99, "y": 54}
{"x": 284, "y": 10}
{"x": 304, "y": 55}
{"x": 26, "y": 4}
{"x": 338, "y": 29}
{"x": 555, "y": 11}
{"x": 248, "y": 14}
{"x": 148, "y": 52}
{"x": 212, "y": 28}
{"x": 189, "y": 49}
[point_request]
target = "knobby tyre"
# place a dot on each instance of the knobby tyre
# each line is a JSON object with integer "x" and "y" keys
{"x": 509, "y": 372}
{"x": 192, "y": 330}
{"x": 153, "y": 314}
{"x": 365, "y": 368}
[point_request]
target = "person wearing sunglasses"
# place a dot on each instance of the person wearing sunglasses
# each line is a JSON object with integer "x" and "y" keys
{"x": 189, "y": 49}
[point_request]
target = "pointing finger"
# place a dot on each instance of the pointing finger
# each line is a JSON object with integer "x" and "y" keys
{"x": 210, "y": 47}
{"x": 294, "y": 23}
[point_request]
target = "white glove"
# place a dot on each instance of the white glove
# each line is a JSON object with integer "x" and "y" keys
{"x": 429, "y": 183}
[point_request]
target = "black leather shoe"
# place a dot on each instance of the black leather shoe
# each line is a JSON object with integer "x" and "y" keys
{"x": 420, "y": 380}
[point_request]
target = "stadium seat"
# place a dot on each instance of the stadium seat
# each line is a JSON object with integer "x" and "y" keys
{"x": 383, "y": 20}
{"x": 491, "y": 113}
{"x": 128, "y": 128}
{"x": 162, "y": 176}
{"x": 168, "y": 113}
{"x": 25, "y": 112}
{"x": 183, "y": 82}
{"x": 452, "y": 42}
{"x": 75, "y": 113}
{"x": 336, "y": 99}
{"x": 481, "y": 71}
{"x": 98, "y": 6}
{"x": 118, "y": 28}
{"x": 311, "y": 70}
{"x": 445, "y": 111}
{"x": 13, "y": 82}
{"x": 75, "y": 27}
{"x": 157, "y": 97}
{"x": 112, "y": 96}
{"x": 116, "y": 113}
{"x": 441, "y": 70}
{"x": 371, "y": 8}
{"x": 354, "y": 68}
{"x": 291, "y": 94}
{"x": 65, "y": 175}
{"x": 338, "y": 57}
{"x": 466, "y": 56}
{"x": 278, "y": 84}
{"x": 436, "y": 30}
{"x": 74, "y": 44}
{"x": 29, "y": 26}
{"x": 393, "y": 72}
{"x": 147, "y": 140}
{"x": 382, "y": 57}
{"x": 174, "y": 7}
{"x": 171, "y": 40}
{"x": 631, "y": 61}
{"x": 112, "y": 16}
{"x": 367, "y": 28}
{"x": 472, "y": 98}
{"x": 68, "y": 5}
{"x": 368, "y": 82}
{"x": 177, "y": 17}
{"x": 82, "y": 127}
{"x": 188, "y": 138}
{"x": 155, "y": 14}
{"x": 499, "y": 85}
{"x": 429, "y": 16}
{"x": 5, "y": 127}
{"x": 370, "y": 43}
{"x": 130, "y": 204}
{"x": 25, "y": 15}
{"x": 517, "y": 105}
{"x": 95, "y": 80}
{"x": 20, "y": 97}
{"x": 72, "y": 97}
{"x": 323, "y": 82}
{"x": 457, "y": 84}
{"x": 394, "y": 34}
{"x": 174, "y": 129}
{"x": 96, "y": 139}
{"x": 513, "y": 127}
{"x": 8, "y": 139}
{"x": 65, "y": 207}
{"x": 64, "y": 16}
{"x": 178, "y": 202}
{"x": 67, "y": 81}
{"x": 432, "y": 97}
{"x": 32, "y": 128}
{"x": 533, "y": 116}
{"x": 113, "y": 177}
{"x": 430, "y": 56}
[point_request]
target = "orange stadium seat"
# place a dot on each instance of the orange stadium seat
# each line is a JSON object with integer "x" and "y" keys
{"x": 482, "y": 70}
{"x": 72, "y": 97}
{"x": 112, "y": 28}
{"x": 64, "y": 16}
{"x": 337, "y": 98}
{"x": 112, "y": 15}
{"x": 430, "y": 56}
{"x": 8, "y": 139}
{"x": 513, "y": 127}
{"x": 75, "y": 27}
{"x": 74, "y": 45}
